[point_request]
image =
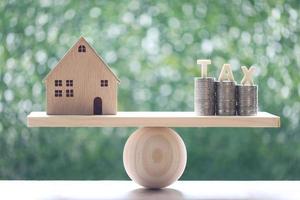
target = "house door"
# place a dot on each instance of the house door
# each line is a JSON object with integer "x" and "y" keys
{"x": 97, "y": 106}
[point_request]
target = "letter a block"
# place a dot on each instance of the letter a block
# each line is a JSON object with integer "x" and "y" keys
{"x": 226, "y": 73}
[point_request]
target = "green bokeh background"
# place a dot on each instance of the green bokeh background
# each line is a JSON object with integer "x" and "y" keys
{"x": 152, "y": 46}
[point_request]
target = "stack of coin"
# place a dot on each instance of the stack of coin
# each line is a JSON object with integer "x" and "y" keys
{"x": 204, "y": 96}
{"x": 246, "y": 99}
{"x": 225, "y": 96}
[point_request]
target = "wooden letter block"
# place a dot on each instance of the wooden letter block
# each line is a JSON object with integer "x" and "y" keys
{"x": 226, "y": 73}
{"x": 248, "y": 73}
{"x": 203, "y": 64}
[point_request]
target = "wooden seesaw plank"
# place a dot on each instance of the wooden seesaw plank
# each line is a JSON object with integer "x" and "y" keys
{"x": 151, "y": 119}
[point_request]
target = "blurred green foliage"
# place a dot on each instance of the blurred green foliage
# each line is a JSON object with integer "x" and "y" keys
{"x": 153, "y": 47}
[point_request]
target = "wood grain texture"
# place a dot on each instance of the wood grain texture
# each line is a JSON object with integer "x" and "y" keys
{"x": 151, "y": 119}
{"x": 154, "y": 157}
{"x": 86, "y": 69}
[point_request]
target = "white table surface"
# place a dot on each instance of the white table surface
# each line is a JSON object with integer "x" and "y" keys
{"x": 236, "y": 190}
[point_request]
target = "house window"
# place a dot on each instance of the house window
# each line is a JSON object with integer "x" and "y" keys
{"x": 69, "y": 83}
{"x": 58, "y": 83}
{"x": 58, "y": 93}
{"x": 104, "y": 83}
{"x": 81, "y": 48}
{"x": 69, "y": 93}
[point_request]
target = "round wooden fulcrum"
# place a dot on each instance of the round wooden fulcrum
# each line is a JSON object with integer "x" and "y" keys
{"x": 154, "y": 157}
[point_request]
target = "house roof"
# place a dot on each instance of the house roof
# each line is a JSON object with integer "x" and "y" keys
{"x": 82, "y": 39}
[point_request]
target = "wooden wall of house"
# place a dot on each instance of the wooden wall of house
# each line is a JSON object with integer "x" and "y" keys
{"x": 86, "y": 70}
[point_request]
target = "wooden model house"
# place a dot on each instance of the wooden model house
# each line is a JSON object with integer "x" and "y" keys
{"x": 81, "y": 84}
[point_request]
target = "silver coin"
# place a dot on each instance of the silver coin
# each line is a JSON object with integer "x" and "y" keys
{"x": 247, "y": 113}
{"x": 226, "y": 113}
{"x": 225, "y": 98}
{"x": 239, "y": 104}
{"x": 247, "y": 102}
{"x": 204, "y": 96}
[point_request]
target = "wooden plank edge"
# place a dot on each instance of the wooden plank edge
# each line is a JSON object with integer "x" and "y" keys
{"x": 271, "y": 124}
{"x": 267, "y": 122}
